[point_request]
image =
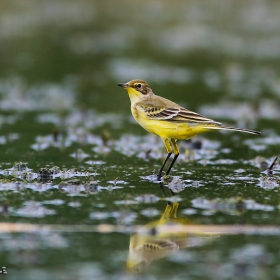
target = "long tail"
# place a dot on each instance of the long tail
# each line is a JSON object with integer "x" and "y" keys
{"x": 234, "y": 129}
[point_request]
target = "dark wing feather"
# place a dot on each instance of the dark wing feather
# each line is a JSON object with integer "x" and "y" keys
{"x": 176, "y": 115}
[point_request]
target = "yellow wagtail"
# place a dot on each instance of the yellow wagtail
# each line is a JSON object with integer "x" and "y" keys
{"x": 168, "y": 120}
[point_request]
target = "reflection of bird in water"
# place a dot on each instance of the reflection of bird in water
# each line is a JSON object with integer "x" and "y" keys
{"x": 150, "y": 245}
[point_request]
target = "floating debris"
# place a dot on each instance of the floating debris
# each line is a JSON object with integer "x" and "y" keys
{"x": 55, "y": 170}
{"x": 264, "y": 166}
{"x": 75, "y": 204}
{"x": 117, "y": 182}
{"x": 272, "y": 166}
{"x": 176, "y": 185}
{"x": 33, "y": 209}
{"x": 45, "y": 174}
{"x": 147, "y": 198}
{"x": 54, "y": 202}
{"x": 167, "y": 178}
{"x": 125, "y": 217}
{"x": 150, "y": 212}
{"x": 95, "y": 162}
{"x": 27, "y": 176}
{"x": 44, "y": 171}
{"x": 233, "y": 205}
{"x": 92, "y": 187}
{"x": 195, "y": 184}
{"x": 269, "y": 182}
{"x": 24, "y": 179}
{"x": 197, "y": 144}
{"x": 126, "y": 202}
{"x": 79, "y": 155}
{"x": 152, "y": 178}
{"x": 74, "y": 182}
{"x": 19, "y": 166}
{"x": 261, "y": 163}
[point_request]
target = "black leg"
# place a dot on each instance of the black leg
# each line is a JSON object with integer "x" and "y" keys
{"x": 159, "y": 173}
{"x": 162, "y": 188}
{"x": 173, "y": 161}
{"x": 172, "y": 193}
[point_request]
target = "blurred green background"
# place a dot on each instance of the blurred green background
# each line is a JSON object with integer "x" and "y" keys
{"x": 191, "y": 51}
{"x": 60, "y": 62}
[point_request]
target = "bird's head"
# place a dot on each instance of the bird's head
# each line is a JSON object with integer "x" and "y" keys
{"x": 136, "y": 89}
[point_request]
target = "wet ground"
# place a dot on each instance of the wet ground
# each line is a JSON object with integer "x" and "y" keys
{"x": 78, "y": 192}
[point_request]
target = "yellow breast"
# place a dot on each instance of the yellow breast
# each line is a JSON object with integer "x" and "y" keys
{"x": 165, "y": 128}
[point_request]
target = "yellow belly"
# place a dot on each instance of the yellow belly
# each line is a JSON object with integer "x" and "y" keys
{"x": 168, "y": 129}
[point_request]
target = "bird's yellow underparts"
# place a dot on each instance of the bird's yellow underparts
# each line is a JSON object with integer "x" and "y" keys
{"x": 168, "y": 120}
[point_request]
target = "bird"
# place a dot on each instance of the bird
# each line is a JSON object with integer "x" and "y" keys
{"x": 168, "y": 120}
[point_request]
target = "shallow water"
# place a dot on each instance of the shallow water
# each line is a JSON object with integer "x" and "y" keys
{"x": 78, "y": 192}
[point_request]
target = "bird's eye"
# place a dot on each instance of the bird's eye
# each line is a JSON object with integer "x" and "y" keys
{"x": 138, "y": 85}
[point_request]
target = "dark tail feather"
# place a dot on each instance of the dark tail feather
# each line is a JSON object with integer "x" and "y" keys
{"x": 234, "y": 129}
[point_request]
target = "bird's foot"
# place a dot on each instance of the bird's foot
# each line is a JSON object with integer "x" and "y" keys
{"x": 159, "y": 176}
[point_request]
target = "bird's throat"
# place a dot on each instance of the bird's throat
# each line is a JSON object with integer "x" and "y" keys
{"x": 134, "y": 95}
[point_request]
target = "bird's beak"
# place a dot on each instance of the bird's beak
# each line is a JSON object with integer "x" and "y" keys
{"x": 123, "y": 85}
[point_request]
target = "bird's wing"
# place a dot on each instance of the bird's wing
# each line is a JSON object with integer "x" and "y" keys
{"x": 166, "y": 244}
{"x": 178, "y": 114}
{"x": 187, "y": 115}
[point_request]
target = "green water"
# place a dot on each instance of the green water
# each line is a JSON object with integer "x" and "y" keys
{"x": 77, "y": 170}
